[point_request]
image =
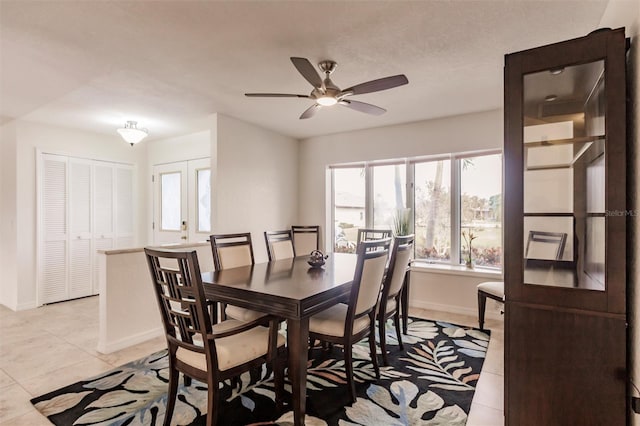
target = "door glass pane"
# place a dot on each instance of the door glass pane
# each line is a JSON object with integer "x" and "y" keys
{"x": 564, "y": 177}
{"x": 481, "y": 209}
{"x": 433, "y": 210}
{"x": 204, "y": 200}
{"x": 388, "y": 194}
{"x": 170, "y": 199}
{"x": 348, "y": 207}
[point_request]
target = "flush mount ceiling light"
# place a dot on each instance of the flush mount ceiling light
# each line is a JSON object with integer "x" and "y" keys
{"x": 131, "y": 133}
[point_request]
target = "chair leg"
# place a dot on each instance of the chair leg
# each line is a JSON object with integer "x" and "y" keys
{"x": 223, "y": 311}
{"x": 396, "y": 319}
{"x": 372, "y": 349}
{"x": 213, "y": 405}
{"x": 482, "y": 304}
{"x": 174, "y": 377}
{"x": 383, "y": 340}
{"x": 278, "y": 380}
{"x": 348, "y": 364}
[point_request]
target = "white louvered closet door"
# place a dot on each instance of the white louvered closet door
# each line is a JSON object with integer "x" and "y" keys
{"x": 84, "y": 206}
{"x": 80, "y": 247}
{"x": 53, "y": 248}
{"x": 103, "y": 217}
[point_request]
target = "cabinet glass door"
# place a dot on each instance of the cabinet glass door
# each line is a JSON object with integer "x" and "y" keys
{"x": 564, "y": 177}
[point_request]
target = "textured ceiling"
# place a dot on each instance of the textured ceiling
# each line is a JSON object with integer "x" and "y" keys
{"x": 92, "y": 65}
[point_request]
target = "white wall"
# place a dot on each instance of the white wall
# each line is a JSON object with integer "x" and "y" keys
{"x": 254, "y": 182}
{"x": 8, "y": 216}
{"x": 30, "y": 137}
{"x": 627, "y": 14}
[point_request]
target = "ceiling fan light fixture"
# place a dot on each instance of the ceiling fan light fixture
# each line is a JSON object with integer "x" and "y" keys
{"x": 131, "y": 134}
{"x": 327, "y": 100}
{"x": 325, "y": 93}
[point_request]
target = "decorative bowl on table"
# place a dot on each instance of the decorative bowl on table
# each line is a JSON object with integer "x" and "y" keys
{"x": 316, "y": 259}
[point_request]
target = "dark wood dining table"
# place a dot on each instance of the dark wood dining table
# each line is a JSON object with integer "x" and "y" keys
{"x": 290, "y": 289}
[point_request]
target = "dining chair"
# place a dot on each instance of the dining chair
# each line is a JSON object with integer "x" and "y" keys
{"x": 392, "y": 287}
{"x": 196, "y": 348}
{"x": 232, "y": 251}
{"x": 279, "y": 244}
{"x": 306, "y": 238}
{"x": 347, "y": 324}
{"x": 367, "y": 234}
{"x": 542, "y": 247}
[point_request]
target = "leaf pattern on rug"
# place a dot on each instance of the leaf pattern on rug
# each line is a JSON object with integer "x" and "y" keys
{"x": 431, "y": 382}
{"x": 60, "y": 403}
{"x": 382, "y": 409}
{"x": 442, "y": 365}
{"x": 417, "y": 331}
{"x": 476, "y": 347}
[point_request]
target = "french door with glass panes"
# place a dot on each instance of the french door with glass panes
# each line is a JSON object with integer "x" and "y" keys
{"x": 182, "y": 202}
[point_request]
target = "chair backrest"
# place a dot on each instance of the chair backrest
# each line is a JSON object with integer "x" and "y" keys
{"x": 231, "y": 250}
{"x": 279, "y": 244}
{"x": 365, "y": 234}
{"x": 305, "y": 239}
{"x": 367, "y": 281}
{"x": 178, "y": 288}
{"x": 398, "y": 263}
{"x": 545, "y": 245}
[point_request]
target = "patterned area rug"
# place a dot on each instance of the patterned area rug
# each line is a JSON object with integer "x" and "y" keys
{"x": 431, "y": 382}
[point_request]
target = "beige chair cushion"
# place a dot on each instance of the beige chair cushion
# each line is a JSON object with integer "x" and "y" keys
{"x": 495, "y": 288}
{"x": 371, "y": 283}
{"x": 234, "y": 256}
{"x": 242, "y": 314}
{"x": 305, "y": 243}
{"x": 399, "y": 271}
{"x": 282, "y": 250}
{"x": 331, "y": 321}
{"x": 232, "y": 350}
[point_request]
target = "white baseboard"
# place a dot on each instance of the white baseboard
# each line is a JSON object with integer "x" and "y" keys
{"x": 109, "y": 347}
{"x": 27, "y": 305}
{"x": 472, "y": 312}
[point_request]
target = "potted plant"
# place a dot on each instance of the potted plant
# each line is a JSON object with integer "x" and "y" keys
{"x": 468, "y": 239}
{"x": 401, "y": 224}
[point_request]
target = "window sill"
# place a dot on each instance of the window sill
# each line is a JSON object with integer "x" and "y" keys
{"x": 438, "y": 268}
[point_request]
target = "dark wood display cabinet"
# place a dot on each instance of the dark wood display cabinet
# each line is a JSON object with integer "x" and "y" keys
{"x": 565, "y": 254}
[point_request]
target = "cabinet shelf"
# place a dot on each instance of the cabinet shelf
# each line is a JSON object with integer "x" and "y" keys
{"x": 577, "y": 140}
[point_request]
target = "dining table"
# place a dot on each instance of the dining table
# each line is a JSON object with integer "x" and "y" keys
{"x": 292, "y": 290}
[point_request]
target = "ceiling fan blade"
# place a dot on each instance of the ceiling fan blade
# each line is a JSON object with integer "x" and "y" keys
{"x": 274, "y": 95}
{"x": 363, "y": 107}
{"x": 307, "y": 70}
{"x": 310, "y": 112}
{"x": 377, "y": 85}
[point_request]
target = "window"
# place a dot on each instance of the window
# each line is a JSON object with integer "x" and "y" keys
{"x": 170, "y": 195}
{"x": 446, "y": 195}
{"x": 432, "y": 204}
{"x": 389, "y": 182}
{"x": 481, "y": 207}
{"x": 348, "y": 207}
{"x": 203, "y": 177}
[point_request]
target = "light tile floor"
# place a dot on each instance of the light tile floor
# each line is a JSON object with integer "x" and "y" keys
{"x": 46, "y": 348}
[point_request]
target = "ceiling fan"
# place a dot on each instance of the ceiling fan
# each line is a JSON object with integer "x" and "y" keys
{"x": 325, "y": 93}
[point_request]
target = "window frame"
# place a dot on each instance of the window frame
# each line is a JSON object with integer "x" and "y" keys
{"x": 409, "y": 196}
